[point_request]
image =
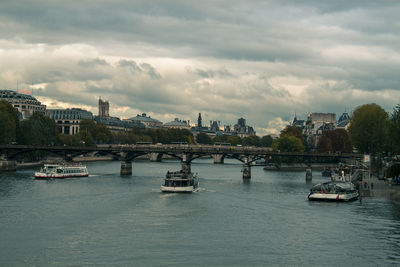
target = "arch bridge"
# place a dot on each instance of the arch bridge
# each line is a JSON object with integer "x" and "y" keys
{"x": 184, "y": 152}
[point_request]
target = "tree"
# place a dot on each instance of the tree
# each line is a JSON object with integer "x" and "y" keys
{"x": 90, "y": 132}
{"x": 337, "y": 140}
{"x": 252, "y": 140}
{"x": 369, "y": 128}
{"x": 266, "y": 141}
{"x": 9, "y": 123}
{"x": 394, "y": 126}
{"x": 38, "y": 130}
{"x": 234, "y": 140}
{"x": 293, "y": 131}
{"x": 85, "y": 138}
{"x": 288, "y": 143}
{"x": 220, "y": 139}
{"x": 69, "y": 140}
{"x": 203, "y": 139}
{"x": 102, "y": 134}
{"x": 325, "y": 144}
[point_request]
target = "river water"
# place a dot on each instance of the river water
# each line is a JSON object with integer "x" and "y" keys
{"x": 106, "y": 219}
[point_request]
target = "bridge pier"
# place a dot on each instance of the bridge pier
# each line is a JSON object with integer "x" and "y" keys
{"x": 185, "y": 163}
{"x": 155, "y": 157}
{"x": 186, "y": 168}
{"x": 308, "y": 174}
{"x": 126, "y": 167}
{"x": 8, "y": 165}
{"x": 246, "y": 171}
{"x": 218, "y": 158}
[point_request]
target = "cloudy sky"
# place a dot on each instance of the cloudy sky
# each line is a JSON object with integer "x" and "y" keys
{"x": 261, "y": 60}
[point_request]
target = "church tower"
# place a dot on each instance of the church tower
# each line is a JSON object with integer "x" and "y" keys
{"x": 199, "y": 121}
{"x": 104, "y": 107}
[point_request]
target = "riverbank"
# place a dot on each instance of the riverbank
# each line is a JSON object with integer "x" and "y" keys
{"x": 381, "y": 189}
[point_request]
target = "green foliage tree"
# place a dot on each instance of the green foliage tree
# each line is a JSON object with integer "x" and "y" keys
{"x": 92, "y": 133}
{"x": 234, "y": 140}
{"x": 288, "y": 143}
{"x": 293, "y": 131}
{"x": 369, "y": 128}
{"x": 204, "y": 139}
{"x": 220, "y": 139}
{"x": 9, "y": 123}
{"x": 252, "y": 140}
{"x": 38, "y": 130}
{"x": 69, "y": 140}
{"x": 266, "y": 141}
{"x": 394, "y": 133}
{"x": 85, "y": 138}
{"x": 102, "y": 134}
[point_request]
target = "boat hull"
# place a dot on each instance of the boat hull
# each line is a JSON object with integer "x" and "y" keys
{"x": 333, "y": 197}
{"x": 55, "y": 176}
{"x": 177, "y": 189}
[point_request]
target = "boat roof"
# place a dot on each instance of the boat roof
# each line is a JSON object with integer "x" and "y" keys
{"x": 64, "y": 165}
{"x": 340, "y": 184}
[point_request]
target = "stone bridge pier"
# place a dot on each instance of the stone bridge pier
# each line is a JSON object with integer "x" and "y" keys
{"x": 126, "y": 167}
{"x": 218, "y": 158}
{"x": 155, "y": 157}
{"x": 126, "y": 164}
{"x": 186, "y": 163}
{"x": 7, "y": 165}
{"x": 246, "y": 169}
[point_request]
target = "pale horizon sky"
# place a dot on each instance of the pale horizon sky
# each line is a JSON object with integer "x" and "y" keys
{"x": 261, "y": 60}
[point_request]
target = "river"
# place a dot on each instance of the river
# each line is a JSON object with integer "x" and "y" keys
{"x": 106, "y": 219}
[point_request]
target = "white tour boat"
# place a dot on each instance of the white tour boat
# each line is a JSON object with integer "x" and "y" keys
{"x": 57, "y": 171}
{"x": 334, "y": 191}
{"x": 180, "y": 182}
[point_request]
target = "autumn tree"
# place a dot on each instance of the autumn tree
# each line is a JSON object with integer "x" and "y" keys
{"x": 337, "y": 140}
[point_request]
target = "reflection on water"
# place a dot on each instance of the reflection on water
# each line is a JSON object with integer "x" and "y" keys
{"x": 106, "y": 219}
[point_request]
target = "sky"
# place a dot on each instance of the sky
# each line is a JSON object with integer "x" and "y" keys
{"x": 264, "y": 61}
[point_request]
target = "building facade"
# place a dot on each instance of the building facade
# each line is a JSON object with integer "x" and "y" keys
{"x": 177, "y": 124}
{"x": 147, "y": 121}
{"x": 68, "y": 120}
{"x": 243, "y": 130}
{"x": 25, "y": 104}
{"x": 117, "y": 125}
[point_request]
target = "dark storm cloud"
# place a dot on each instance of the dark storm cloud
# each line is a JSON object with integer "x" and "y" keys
{"x": 260, "y": 59}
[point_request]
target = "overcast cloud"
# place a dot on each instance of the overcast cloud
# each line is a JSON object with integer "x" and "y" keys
{"x": 261, "y": 60}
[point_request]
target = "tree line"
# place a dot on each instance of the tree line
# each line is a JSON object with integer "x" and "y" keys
{"x": 372, "y": 130}
{"x": 41, "y": 130}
